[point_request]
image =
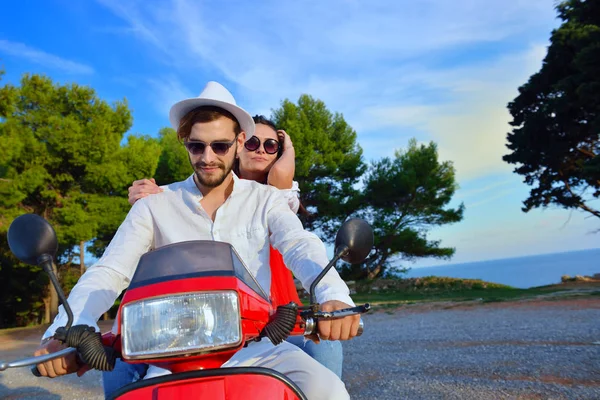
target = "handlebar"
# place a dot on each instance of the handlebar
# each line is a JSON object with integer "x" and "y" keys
{"x": 342, "y": 313}
{"x": 81, "y": 339}
{"x": 36, "y": 360}
{"x": 310, "y": 328}
{"x": 290, "y": 320}
{"x": 103, "y": 357}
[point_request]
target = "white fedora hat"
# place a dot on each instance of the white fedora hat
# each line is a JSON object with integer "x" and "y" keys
{"x": 213, "y": 94}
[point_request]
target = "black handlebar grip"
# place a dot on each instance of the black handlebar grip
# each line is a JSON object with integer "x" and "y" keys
{"x": 35, "y": 371}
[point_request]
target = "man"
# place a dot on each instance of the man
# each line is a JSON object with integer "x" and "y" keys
{"x": 213, "y": 204}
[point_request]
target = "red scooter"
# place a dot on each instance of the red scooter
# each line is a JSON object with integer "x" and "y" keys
{"x": 189, "y": 308}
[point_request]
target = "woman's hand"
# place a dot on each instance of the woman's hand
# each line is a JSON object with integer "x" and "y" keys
{"x": 284, "y": 140}
{"x": 281, "y": 174}
{"x": 142, "y": 188}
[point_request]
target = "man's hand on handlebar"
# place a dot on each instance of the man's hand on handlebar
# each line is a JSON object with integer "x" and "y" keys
{"x": 338, "y": 329}
{"x": 58, "y": 366}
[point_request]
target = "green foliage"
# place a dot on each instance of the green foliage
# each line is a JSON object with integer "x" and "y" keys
{"x": 328, "y": 162}
{"x": 403, "y": 199}
{"x": 173, "y": 164}
{"x": 20, "y": 300}
{"x": 382, "y": 292}
{"x": 425, "y": 284}
{"x": 113, "y": 213}
{"x": 62, "y": 159}
{"x": 556, "y": 116}
{"x": 69, "y": 274}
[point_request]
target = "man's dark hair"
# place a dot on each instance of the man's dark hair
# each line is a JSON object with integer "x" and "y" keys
{"x": 204, "y": 114}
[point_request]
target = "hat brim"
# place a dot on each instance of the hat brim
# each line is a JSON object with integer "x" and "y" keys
{"x": 180, "y": 109}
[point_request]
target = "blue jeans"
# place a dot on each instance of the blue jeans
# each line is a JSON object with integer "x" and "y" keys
{"x": 328, "y": 353}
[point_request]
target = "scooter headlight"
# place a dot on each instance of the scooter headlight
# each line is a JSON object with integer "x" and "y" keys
{"x": 181, "y": 324}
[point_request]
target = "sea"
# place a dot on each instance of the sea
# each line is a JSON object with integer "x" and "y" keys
{"x": 521, "y": 272}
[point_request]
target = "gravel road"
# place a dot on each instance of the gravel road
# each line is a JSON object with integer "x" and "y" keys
{"x": 531, "y": 350}
{"x": 526, "y": 350}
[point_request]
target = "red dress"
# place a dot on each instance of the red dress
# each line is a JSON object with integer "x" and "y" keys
{"x": 283, "y": 289}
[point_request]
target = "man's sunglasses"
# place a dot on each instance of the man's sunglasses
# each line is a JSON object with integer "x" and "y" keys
{"x": 271, "y": 146}
{"x": 195, "y": 147}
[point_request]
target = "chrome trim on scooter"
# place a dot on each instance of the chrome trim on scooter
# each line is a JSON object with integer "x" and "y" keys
{"x": 361, "y": 327}
{"x": 310, "y": 327}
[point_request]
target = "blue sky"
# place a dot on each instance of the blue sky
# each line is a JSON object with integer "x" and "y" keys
{"x": 433, "y": 69}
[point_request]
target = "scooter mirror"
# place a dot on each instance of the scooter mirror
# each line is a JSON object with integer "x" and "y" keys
{"x": 356, "y": 235}
{"x": 30, "y": 236}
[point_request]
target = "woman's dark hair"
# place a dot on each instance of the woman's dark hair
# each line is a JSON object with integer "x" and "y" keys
{"x": 261, "y": 119}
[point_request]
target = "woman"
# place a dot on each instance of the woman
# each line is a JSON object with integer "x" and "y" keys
{"x": 267, "y": 157}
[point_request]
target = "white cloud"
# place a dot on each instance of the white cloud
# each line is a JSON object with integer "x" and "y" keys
{"x": 378, "y": 64}
{"x": 132, "y": 13}
{"x": 295, "y": 39}
{"x": 463, "y": 194}
{"x": 42, "y": 58}
{"x": 517, "y": 234}
{"x": 168, "y": 91}
{"x": 471, "y": 123}
{"x": 486, "y": 200}
{"x": 417, "y": 27}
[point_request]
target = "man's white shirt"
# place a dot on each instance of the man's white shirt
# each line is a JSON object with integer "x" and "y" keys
{"x": 252, "y": 218}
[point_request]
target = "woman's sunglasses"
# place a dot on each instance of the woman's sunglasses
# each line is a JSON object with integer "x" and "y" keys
{"x": 197, "y": 147}
{"x": 271, "y": 146}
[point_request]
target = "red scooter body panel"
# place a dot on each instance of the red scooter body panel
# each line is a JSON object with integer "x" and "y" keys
{"x": 223, "y": 387}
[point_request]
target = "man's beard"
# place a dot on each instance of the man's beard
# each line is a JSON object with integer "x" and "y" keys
{"x": 215, "y": 179}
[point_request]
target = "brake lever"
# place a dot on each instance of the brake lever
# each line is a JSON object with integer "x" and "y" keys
{"x": 342, "y": 313}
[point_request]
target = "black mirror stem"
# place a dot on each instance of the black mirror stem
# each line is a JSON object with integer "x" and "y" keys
{"x": 45, "y": 261}
{"x": 339, "y": 254}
